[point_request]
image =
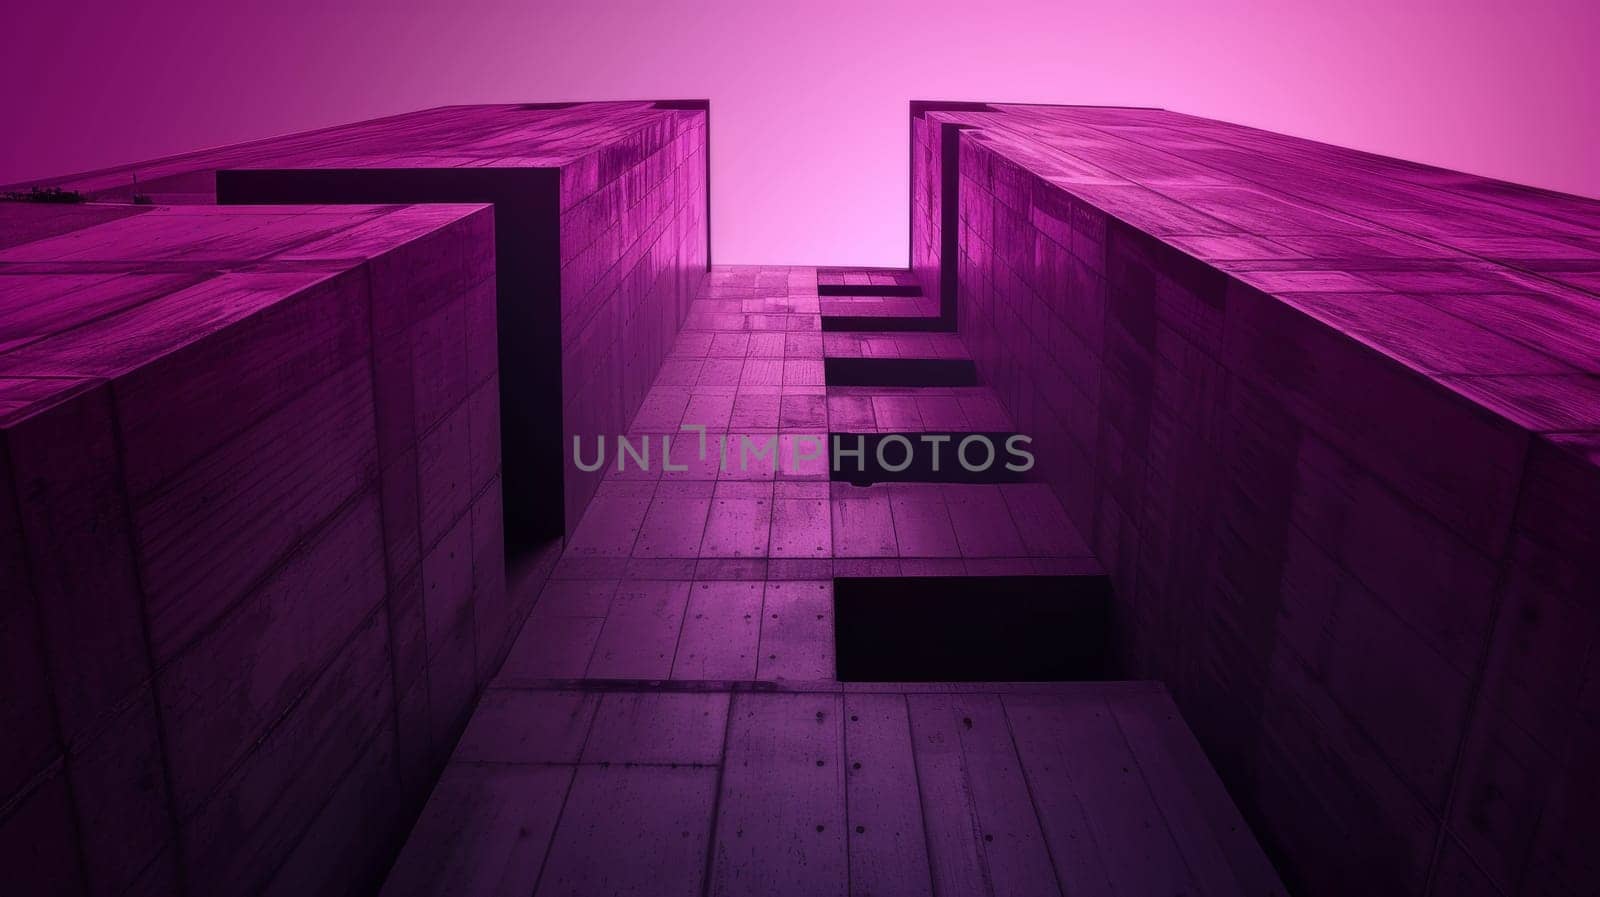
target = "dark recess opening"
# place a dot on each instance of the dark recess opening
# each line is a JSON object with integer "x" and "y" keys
{"x": 900, "y": 371}
{"x": 528, "y": 289}
{"x": 971, "y": 628}
{"x": 868, "y": 289}
{"x": 886, "y": 323}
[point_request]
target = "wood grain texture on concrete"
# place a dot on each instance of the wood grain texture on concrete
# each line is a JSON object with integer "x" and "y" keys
{"x": 602, "y": 225}
{"x": 821, "y": 788}
{"x": 1309, "y": 407}
{"x": 237, "y": 483}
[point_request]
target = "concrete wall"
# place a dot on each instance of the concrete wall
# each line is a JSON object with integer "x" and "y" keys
{"x": 315, "y": 553}
{"x": 633, "y": 251}
{"x": 253, "y": 549}
{"x": 1373, "y": 598}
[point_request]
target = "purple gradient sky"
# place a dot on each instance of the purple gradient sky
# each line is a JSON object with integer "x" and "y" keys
{"x": 809, "y": 99}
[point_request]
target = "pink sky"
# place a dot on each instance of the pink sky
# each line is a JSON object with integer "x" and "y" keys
{"x": 809, "y": 98}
